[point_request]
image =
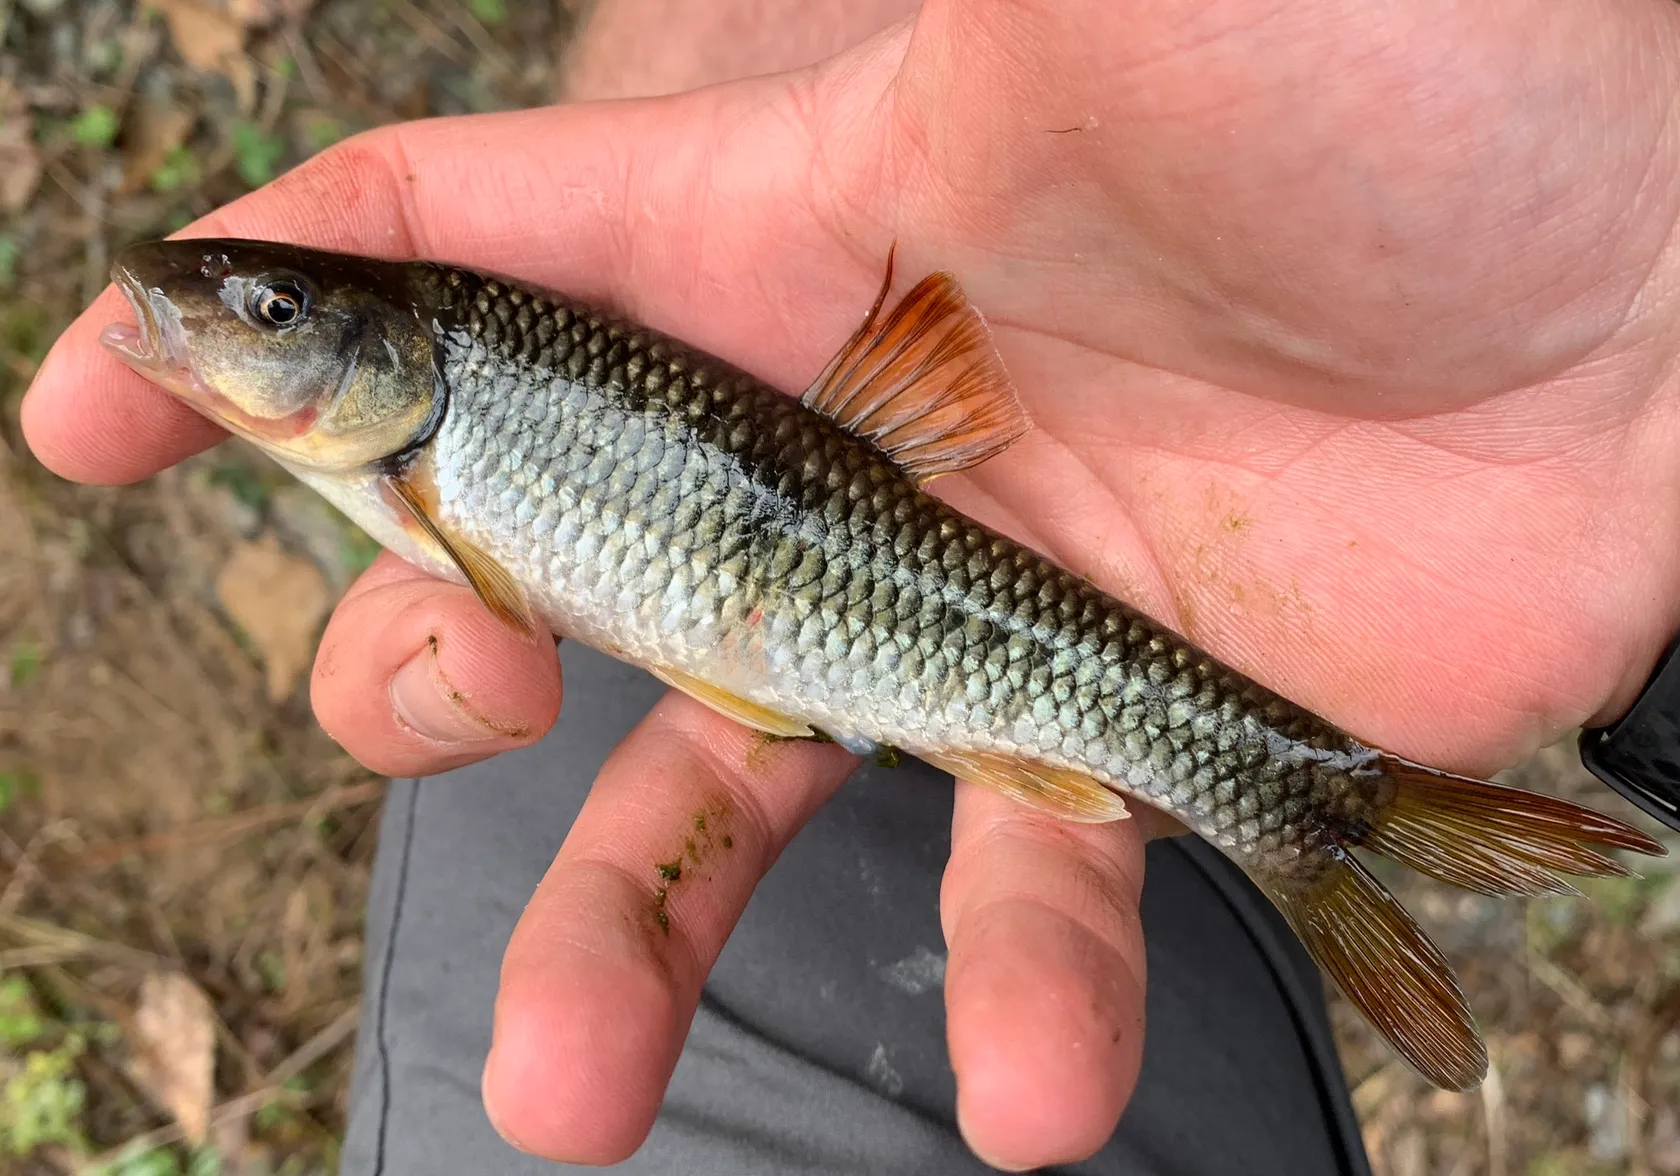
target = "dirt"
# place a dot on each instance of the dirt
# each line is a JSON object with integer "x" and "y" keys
{"x": 168, "y": 804}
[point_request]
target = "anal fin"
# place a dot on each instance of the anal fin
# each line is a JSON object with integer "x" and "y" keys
{"x": 1070, "y": 795}
{"x": 925, "y": 384}
{"x": 499, "y": 591}
{"x": 1384, "y": 963}
{"x": 731, "y": 706}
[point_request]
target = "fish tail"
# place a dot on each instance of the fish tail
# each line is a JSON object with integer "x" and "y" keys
{"x": 1477, "y": 835}
{"x": 1491, "y": 838}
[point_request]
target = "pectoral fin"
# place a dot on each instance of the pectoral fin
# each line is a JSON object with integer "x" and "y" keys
{"x": 499, "y": 591}
{"x": 748, "y": 714}
{"x": 1072, "y": 796}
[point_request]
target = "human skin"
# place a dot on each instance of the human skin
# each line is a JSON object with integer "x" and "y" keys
{"x": 1348, "y": 332}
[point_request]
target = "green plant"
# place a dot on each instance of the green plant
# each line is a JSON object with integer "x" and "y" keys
{"x": 358, "y": 549}
{"x": 25, "y": 663}
{"x": 95, "y": 127}
{"x": 255, "y": 153}
{"x": 42, "y": 1104}
{"x": 246, "y": 484}
{"x": 178, "y": 170}
{"x": 21, "y": 1022}
{"x": 321, "y": 131}
{"x": 9, "y": 256}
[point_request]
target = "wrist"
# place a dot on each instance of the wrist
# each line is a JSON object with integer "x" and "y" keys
{"x": 1638, "y": 754}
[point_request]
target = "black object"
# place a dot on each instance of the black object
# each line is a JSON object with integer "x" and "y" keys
{"x": 1639, "y": 756}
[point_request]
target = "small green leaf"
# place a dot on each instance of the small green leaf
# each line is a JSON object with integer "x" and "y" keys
{"x": 95, "y": 127}
{"x": 255, "y": 153}
{"x": 26, "y": 663}
{"x": 358, "y": 550}
{"x": 271, "y": 1115}
{"x": 321, "y": 131}
{"x": 9, "y": 255}
{"x": 16, "y": 784}
{"x": 205, "y": 1162}
{"x": 42, "y": 1104}
{"x": 179, "y": 169}
{"x": 243, "y": 481}
{"x": 489, "y": 11}
{"x": 158, "y": 1162}
{"x": 21, "y": 1022}
{"x": 272, "y": 970}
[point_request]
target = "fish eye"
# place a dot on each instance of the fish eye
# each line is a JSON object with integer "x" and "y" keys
{"x": 280, "y": 303}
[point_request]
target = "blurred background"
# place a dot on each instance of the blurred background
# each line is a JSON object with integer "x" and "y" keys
{"x": 184, "y": 855}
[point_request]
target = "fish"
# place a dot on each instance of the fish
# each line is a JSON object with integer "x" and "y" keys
{"x": 782, "y": 559}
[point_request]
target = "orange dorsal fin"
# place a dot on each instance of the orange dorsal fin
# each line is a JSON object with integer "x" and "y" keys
{"x": 925, "y": 384}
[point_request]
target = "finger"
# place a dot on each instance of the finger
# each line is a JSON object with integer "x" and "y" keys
{"x": 721, "y": 178}
{"x": 604, "y": 971}
{"x": 1044, "y": 986}
{"x": 415, "y": 676}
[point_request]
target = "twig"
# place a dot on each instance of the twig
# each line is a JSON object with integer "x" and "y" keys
{"x": 475, "y": 32}
{"x": 275, "y": 1090}
{"x": 1493, "y": 1110}
{"x": 25, "y": 862}
{"x": 1662, "y": 1017}
{"x": 317, "y": 1047}
{"x": 1569, "y": 989}
{"x": 37, "y": 957}
{"x": 308, "y": 70}
{"x": 236, "y": 1108}
{"x": 102, "y": 856}
{"x": 40, "y": 934}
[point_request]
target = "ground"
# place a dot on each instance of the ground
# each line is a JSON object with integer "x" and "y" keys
{"x": 184, "y": 855}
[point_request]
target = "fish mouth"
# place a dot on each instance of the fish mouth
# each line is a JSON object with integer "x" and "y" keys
{"x": 146, "y": 347}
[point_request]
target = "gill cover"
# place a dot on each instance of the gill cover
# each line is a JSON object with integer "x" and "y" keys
{"x": 326, "y": 361}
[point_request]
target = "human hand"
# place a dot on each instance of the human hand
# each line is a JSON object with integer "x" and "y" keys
{"x": 1347, "y": 334}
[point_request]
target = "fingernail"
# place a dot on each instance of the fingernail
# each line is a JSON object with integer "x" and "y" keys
{"x": 490, "y": 1109}
{"x": 989, "y": 1161}
{"x": 427, "y": 704}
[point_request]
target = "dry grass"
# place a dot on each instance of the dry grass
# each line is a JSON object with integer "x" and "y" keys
{"x": 159, "y": 809}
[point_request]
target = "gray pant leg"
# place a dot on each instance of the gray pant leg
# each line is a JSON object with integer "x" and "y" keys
{"x": 819, "y": 1046}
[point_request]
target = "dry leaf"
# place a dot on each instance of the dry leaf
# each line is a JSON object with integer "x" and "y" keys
{"x": 20, "y": 165}
{"x": 175, "y": 1050}
{"x": 258, "y": 14}
{"x": 157, "y": 127}
{"x": 211, "y": 37}
{"x": 279, "y": 600}
{"x": 20, "y": 160}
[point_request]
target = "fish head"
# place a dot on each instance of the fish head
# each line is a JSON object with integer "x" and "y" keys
{"x": 325, "y": 361}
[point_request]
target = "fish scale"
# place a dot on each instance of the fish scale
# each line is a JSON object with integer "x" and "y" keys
{"x": 579, "y": 450}
{"x": 780, "y": 560}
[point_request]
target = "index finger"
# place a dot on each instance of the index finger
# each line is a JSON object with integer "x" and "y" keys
{"x": 89, "y": 418}
{"x": 645, "y": 206}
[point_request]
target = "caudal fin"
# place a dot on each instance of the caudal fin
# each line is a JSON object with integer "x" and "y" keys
{"x": 1492, "y": 839}
{"x": 1470, "y": 833}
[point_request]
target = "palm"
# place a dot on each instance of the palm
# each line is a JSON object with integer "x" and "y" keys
{"x": 1299, "y": 318}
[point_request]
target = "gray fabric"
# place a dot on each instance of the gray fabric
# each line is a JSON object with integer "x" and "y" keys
{"x": 820, "y": 1044}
